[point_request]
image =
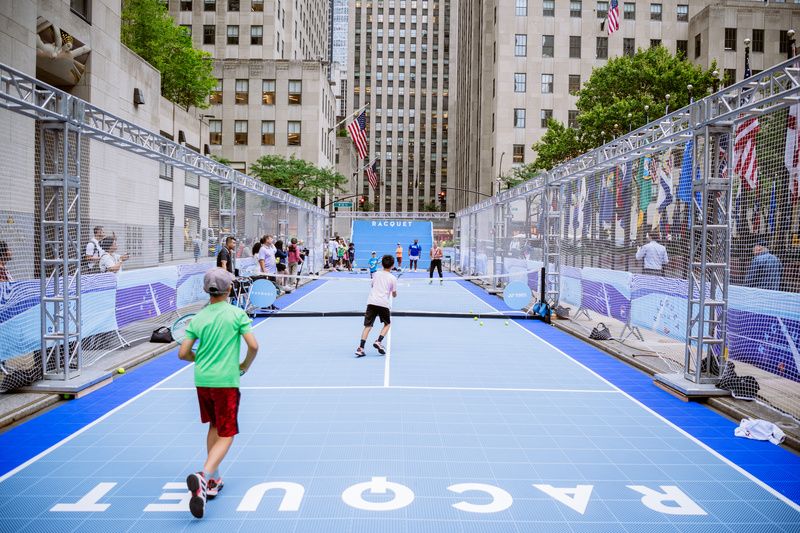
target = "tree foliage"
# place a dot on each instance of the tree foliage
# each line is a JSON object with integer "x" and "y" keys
{"x": 625, "y": 85}
{"x": 297, "y": 176}
{"x": 186, "y": 73}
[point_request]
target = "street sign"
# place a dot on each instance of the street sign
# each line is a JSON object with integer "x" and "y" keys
{"x": 342, "y": 204}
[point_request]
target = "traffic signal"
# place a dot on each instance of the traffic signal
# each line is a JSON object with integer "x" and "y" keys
{"x": 361, "y": 200}
{"x": 442, "y": 198}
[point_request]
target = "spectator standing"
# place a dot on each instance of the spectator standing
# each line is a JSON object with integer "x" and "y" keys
{"x": 225, "y": 257}
{"x": 398, "y": 253}
{"x": 765, "y": 270}
{"x": 333, "y": 247}
{"x": 196, "y": 244}
{"x": 94, "y": 251}
{"x": 280, "y": 262}
{"x": 654, "y": 255}
{"x": 293, "y": 259}
{"x": 266, "y": 257}
{"x": 5, "y": 258}
{"x": 111, "y": 261}
{"x": 340, "y": 249}
{"x": 351, "y": 256}
{"x": 413, "y": 255}
{"x": 436, "y": 262}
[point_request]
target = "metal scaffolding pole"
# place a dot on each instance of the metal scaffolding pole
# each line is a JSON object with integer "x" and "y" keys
{"x": 552, "y": 243}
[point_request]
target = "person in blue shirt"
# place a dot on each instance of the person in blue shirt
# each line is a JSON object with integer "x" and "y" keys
{"x": 765, "y": 270}
{"x": 413, "y": 255}
{"x": 373, "y": 265}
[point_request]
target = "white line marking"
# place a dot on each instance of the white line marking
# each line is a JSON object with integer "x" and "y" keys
{"x": 387, "y": 356}
{"x": 407, "y": 387}
{"x": 697, "y": 441}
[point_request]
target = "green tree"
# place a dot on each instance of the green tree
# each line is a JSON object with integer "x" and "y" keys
{"x": 431, "y": 207}
{"x": 221, "y": 160}
{"x": 366, "y": 206}
{"x": 186, "y": 73}
{"x": 297, "y": 176}
{"x": 558, "y": 144}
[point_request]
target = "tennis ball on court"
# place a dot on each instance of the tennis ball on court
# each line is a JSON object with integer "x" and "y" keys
{"x": 120, "y": 370}
{"x": 65, "y": 396}
{"x": 475, "y": 318}
{"x": 506, "y": 322}
{"x": 481, "y": 322}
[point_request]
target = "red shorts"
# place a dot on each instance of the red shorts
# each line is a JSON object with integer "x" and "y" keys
{"x": 220, "y": 406}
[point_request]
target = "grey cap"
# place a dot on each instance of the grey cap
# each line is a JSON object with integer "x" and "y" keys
{"x": 217, "y": 281}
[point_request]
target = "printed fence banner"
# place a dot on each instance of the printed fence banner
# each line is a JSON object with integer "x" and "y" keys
{"x": 146, "y": 293}
{"x": 607, "y": 292}
{"x": 20, "y": 330}
{"x": 98, "y": 298}
{"x": 571, "y": 286}
{"x": 659, "y": 304}
{"x": 190, "y": 283}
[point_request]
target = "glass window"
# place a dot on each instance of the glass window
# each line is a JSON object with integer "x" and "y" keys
{"x": 257, "y": 5}
{"x": 519, "y": 118}
{"x": 697, "y": 42}
{"x": 602, "y": 10}
{"x": 602, "y": 48}
{"x": 520, "y": 45}
{"x": 655, "y": 11}
{"x": 575, "y": 8}
{"x": 629, "y": 11}
{"x": 548, "y": 8}
{"x": 547, "y": 83}
{"x": 240, "y": 132}
{"x": 215, "y": 131}
{"x": 758, "y": 40}
{"x": 186, "y": 5}
{"x": 544, "y": 116}
{"x": 730, "y": 38}
{"x": 572, "y": 118}
{"x": 628, "y": 47}
{"x": 268, "y": 132}
{"x": 520, "y": 82}
{"x": 242, "y": 94}
{"x": 729, "y": 77}
{"x": 574, "y": 83}
{"x": 682, "y": 48}
{"x": 256, "y": 35}
{"x": 192, "y": 180}
{"x": 548, "y": 45}
{"x": 522, "y": 8}
{"x": 209, "y": 34}
{"x": 519, "y": 154}
{"x": 655, "y": 42}
{"x": 575, "y": 46}
{"x": 295, "y": 92}
{"x": 294, "y": 133}
{"x": 783, "y": 42}
{"x": 268, "y": 92}
{"x": 233, "y": 34}
{"x": 233, "y": 5}
{"x": 215, "y": 97}
{"x": 209, "y": 5}
{"x": 683, "y": 12}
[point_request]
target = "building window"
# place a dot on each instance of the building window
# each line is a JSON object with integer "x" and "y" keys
{"x": 655, "y": 11}
{"x": 730, "y": 39}
{"x": 758, "y": 40}
{"x": 294, "y": 133}
{"x": 242, "y": 94}
{"x": 602, "y": 48}
{"x": 655, "y": 42}
{"x": 547, "y": 83}
{"x": 295, "y": 92}
{"x": 545, "y": 115}
{"x": 683, "y": 12}
{"x": 575, "y": 46}
{"x": 575, "y": 8}
{"x": 519, "y": 118}
{"x": 520, "y": 82}
{"x": 574, "y": 83}
{"x": 519, "y": 154}
{"x": 729, "y": 77}
{"x": 572, "y": 120}
{"x": 257, "y": 5}
{"x": 783, "y": 42}
{"x": 215, "y": 131}
{"x": 209, "y": 5}
{"x": 629, "y": 11}
{"x": 257, "y": 35}
{"x": 602, "y": 10}
{"x": 233, "y": 5}
{"x": 268, "y": 92}
{"x": 548, "y": 8}
{"x": 186, "y": 5}
{"x": 240, "y": 132}
{"x": 215, "y": 98}
{"x": 682, "y": 48}
{"x": 268, "y": 132}
{"x": 233, "y": 34}
{"x": 522, "y": 8}
{"x": 521, "y": 45}
{"x": 698, "y": 39}
{"x": 548, "y": 44}
{"x": 628, "y": 46}
{"x": 209, "y": 33}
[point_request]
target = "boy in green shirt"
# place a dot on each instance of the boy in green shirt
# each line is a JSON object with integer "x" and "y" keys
{"x": 219, "y": 326}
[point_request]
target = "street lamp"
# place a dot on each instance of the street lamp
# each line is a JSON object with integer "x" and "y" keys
{"x": 689, "y": 89}
{"x": 630, "y": 127}
{"x": 200, "y": 142}
{"x": 647, "y": 114}
{"x": 715, "y": 83}
{"x": 500, "y": 172}
{"x": 666, "y": 97}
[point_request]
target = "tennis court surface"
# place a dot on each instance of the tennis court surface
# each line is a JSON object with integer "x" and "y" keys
{"x": 466, "y": 425}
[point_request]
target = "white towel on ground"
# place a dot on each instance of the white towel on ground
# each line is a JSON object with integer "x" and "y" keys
{"x": 753, "y": 428}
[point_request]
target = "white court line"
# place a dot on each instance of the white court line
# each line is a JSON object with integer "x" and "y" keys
{"x": 697, "y": 441}
{"x": 388, "y": 357}
{"x": 407, "y": 387}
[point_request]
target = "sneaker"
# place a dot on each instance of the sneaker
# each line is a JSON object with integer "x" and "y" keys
{"x": 378, "y": 346}
{"x": 360, "y": 352}
{"x": 430, "y": 282}
{"x": 197, "y": 487}
{"x": 214, "y": 486}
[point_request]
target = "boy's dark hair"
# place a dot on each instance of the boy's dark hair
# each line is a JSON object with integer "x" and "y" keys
{"x": 229, "y": 238}
{"x": 98, "y": 229}
{"x": 256, "y": 247}
{"x": 387, "y": 261}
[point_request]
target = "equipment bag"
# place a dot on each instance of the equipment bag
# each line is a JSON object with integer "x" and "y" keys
{"x": 600, "y": 333}
{"x": 162, "y": 334}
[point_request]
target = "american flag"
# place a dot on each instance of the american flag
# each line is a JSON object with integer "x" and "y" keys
{"x": 357, "y": 130}
{"x": 613, "y": 17}
{"x": 372, "y": 176}
{"x": 745, "y": 162}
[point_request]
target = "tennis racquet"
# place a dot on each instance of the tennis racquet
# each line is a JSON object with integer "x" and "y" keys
{"x": 179, "y": 327}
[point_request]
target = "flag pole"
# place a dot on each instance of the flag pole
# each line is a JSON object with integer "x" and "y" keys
{"x": 348, "y": 117}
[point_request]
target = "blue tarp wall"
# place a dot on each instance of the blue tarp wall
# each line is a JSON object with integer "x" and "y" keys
{"x": 382, "y": 236}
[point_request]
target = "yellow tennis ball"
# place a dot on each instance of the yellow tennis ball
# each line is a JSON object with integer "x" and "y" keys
{"x": 506, "y": 322}
{"x": 481, "y": 322}
{"x": 120, "y": 370}
{"x": 475, "y": 318}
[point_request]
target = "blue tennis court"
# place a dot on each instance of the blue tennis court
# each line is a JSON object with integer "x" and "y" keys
{"x": 462, "y": 427}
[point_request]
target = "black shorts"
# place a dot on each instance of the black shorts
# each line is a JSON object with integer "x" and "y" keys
{"x": 376, "y": 311}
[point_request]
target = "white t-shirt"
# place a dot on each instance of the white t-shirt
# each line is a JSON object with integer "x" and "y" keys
{"x": 93, "y": 248}
{"x": 383, "y": 285}
{"x": 109, "y": 260}
{"x": 654, "y": 255}
{"x": 267, "y": 254}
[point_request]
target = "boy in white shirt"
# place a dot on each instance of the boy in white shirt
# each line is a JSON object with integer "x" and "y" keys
{"x": 384, "y": 285}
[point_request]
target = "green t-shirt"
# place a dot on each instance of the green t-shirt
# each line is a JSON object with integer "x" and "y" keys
{"x": 219, "y": 327}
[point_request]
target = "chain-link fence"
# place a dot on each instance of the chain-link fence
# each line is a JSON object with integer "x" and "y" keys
{"x": 688, "y": 228}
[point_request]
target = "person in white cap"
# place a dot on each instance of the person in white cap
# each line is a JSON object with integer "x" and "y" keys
{"x": 219, "y": 327}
